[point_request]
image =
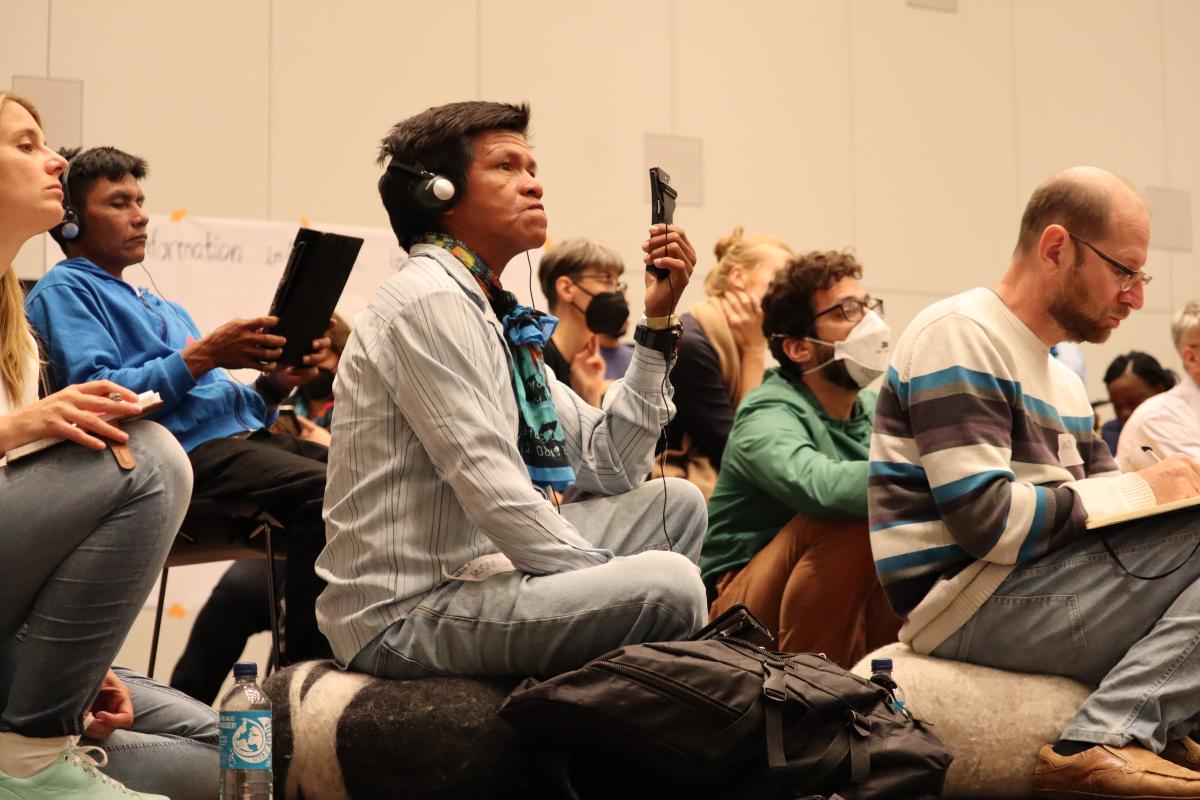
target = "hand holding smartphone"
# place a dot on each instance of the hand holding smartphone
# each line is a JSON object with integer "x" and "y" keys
{"x": 662, "y": 208}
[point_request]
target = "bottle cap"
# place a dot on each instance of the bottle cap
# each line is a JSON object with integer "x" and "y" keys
{"x": 877, "y": 665}
{"x": 245, "y": 669}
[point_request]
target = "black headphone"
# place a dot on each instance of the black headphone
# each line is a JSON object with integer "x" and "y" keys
{"x": 430, "y": 192}
{"x": 71, "y": 228}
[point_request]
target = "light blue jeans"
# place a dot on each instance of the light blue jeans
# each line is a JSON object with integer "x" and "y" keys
{"x": 1075, "y": 612}
{"x": 172, "y": 747}
{"x": 81, "y": 543}
{"x": 519, "y": 624}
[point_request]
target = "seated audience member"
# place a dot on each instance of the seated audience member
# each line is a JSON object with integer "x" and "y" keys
{"x": 84, "y": 533}
{"x": 722, "y": 355}
{"x": 1168, "y": 422}
{"x": 1131, "y": 379}
{"x": 616, "y": 354}
{"x": 238, "y": 607}
{"x": 787, "y": 530}
{"x": 582, "y": 283}
{"x": 467, "y": 568}
{"x": 313, "y": 401}
{"x": 96, "y": 326}
{"x": 985, "y": 471}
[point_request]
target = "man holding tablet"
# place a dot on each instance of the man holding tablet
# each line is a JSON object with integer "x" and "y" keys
{"x": 94, "y": 324}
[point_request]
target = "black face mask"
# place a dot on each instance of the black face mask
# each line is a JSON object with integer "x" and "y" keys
{"x": 607, "y": 312}
{"x": 319, "y": 387}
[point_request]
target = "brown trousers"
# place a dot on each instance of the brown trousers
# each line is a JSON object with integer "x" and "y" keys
{"x": 814, "y": 586}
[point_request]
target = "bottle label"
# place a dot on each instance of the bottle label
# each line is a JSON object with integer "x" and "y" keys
{"x": 245, "y": 739}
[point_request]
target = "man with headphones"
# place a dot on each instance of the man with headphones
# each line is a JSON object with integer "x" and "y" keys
{"x": 92, "y": 323}
{"x": 445, "y": 555}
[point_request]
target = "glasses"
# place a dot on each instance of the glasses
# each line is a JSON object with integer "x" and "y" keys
{"x": 609, "y": 281}
{"x": 853, "y": 309}
{"x": 1129, "y": 277}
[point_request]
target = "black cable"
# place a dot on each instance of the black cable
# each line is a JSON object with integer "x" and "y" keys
{"x": 662, "y": 434}
{"x": 1131, "y": 574}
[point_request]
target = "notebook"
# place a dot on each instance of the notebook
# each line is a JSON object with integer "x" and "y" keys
{"x": 1161, "y": 508}
{"x": 149, "y": 401}
{"x": 309, "y": 289}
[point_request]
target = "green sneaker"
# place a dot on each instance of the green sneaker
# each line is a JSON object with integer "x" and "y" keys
{"x": 74, "y": 774}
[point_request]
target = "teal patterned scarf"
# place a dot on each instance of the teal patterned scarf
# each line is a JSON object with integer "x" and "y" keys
{"x": 526, "y": 331}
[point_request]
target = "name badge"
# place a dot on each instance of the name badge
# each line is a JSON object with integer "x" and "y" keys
{"x": 1068, "y": 451}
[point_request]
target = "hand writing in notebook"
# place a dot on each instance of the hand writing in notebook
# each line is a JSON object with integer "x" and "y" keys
{"x": 1173, "y": 478}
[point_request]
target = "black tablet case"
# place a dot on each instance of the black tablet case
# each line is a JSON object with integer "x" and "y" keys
{"x": 309, "y": 289}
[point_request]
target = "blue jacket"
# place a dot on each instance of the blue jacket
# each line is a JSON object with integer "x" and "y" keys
{"x": 96, "y": 327}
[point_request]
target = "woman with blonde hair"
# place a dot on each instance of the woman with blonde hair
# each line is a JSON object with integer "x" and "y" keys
{"x": 722, "y": 355}
{"x": 83, "y": 534}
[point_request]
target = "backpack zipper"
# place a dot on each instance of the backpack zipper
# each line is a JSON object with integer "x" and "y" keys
{"x": 673, "y": 688}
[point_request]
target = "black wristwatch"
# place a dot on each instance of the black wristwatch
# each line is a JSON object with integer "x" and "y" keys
{"x": 665, "y": 341}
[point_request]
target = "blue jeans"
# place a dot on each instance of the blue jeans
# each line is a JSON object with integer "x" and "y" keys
{"x": 1075, "y": 612}
{"x": 519, "y": 624}
{"x": 81, "y": 541}
{"x": 172, "y": 747}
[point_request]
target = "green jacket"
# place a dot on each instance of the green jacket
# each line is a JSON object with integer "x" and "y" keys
{"x": 784, "y": 457}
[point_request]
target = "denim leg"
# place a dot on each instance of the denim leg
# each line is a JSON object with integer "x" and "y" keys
{"x": 172, "y": 748}
{"x": 518, "y": 624}
{"x": 90, "y": 539}
{"x": 1075, "y": 612}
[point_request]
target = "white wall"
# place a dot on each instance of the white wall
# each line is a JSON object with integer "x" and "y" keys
{"x": 913, "y": 135}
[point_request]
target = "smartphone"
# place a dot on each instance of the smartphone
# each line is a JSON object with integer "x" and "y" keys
{"x": 662, "y": 208}
{"x": 287, "y": 419}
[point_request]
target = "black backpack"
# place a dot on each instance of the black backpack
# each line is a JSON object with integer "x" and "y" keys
{"x": 728, "y": 718}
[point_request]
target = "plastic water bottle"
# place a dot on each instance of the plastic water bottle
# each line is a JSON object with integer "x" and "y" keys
{"x": 245, "y": 727}
{"x": 881, "y": 673}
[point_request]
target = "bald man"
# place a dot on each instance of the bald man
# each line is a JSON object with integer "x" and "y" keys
{"x": 985, "y": 472}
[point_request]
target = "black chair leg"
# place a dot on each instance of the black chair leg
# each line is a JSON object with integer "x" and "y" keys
{"x": 158, "y": 615}
{"x": 276, "y": 652}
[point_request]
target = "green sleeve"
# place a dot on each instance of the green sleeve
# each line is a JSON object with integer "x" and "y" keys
{"x": 781, "y": 458}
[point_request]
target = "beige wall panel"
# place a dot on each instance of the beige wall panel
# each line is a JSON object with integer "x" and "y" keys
{"x": 184, "y": 86}
{"x": 1090, "y": 91}
{"x": 23, "y": 52}
{"x": 1181, "y": 57}
{"x": 341, "y": 75}
{"x": 598, "y": 79}
{"x": 22, "y": 39}
{"x": 767, "y": 86}
{"x": 934, "y": 150}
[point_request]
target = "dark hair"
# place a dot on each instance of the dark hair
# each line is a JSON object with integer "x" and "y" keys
{"x": 572, "y": 258}
{"x": 440, "y": 140}
{"x": 787, "y": 305}
{"x": 87, "y": 167}
{"x": 1081, "y": 206}
{"x": 1143, "y": 365}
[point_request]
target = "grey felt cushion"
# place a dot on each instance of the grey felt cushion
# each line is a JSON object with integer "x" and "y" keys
{"x": 344, "y": 735}
{"x": 994, "y": 722}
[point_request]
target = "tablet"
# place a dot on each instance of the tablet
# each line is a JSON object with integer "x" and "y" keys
{"x": 309, "y": 289}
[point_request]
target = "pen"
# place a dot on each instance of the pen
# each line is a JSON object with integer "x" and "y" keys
{"x": 1148, "y": 450}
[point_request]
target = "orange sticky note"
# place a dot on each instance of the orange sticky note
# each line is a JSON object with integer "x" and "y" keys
{"x": 178, "y": 214}
{"x": 176, "y": 611}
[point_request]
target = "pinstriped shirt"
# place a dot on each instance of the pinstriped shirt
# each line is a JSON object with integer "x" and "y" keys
{"x": 424, "y": 470}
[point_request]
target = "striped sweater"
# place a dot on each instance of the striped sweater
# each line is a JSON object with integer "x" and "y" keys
{"x": 983, "y": 457}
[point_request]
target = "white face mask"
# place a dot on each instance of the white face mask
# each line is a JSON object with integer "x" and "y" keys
{"x": 865, "y": 350}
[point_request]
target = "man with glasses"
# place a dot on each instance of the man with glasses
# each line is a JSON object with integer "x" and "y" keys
{"x": 787, "y": 532}
{"x": 985, "y": 473}
{"x": 1169, "y": 422}
{"x": 581, "y": 280}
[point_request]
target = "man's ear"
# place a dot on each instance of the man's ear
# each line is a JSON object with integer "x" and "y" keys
{"x": 1053, "y": 246}
{"x": 800, "y": 351}
{"x": 564, "y": 288}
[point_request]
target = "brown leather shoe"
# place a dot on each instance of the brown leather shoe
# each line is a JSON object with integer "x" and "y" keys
{"x": 1105, "y": 771}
